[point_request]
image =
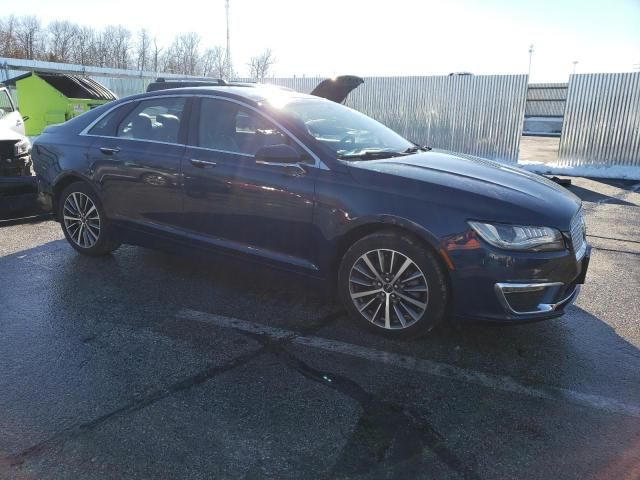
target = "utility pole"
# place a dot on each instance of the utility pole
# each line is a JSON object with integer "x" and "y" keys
{"x": 228, "y": 55}
{"x": 530, "y": 57}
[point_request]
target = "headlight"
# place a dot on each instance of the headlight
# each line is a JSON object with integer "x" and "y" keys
{"x": 519, "y": 237}
{"x": 22, "y": 147}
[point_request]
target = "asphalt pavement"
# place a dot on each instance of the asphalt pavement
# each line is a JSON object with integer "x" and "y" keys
{"x": 147, "y": 365}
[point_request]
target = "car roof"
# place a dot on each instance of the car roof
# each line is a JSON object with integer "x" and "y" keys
{"x": 255, "y": 93}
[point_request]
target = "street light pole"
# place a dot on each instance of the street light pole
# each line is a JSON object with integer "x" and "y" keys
{"x": 530, "y": 57}
{"x": 575, "y": 63}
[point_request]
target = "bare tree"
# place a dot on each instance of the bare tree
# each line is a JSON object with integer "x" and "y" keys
{"x": 157, "y": 51}
{"x": 116, "y": 43}
{"x": 29, "y": 37}
{"x": 188, "y": 47}
{"x": 143, "y": 49}
{"x": 169, "y": 60}
{"x": 84, "y": 47}
{"x": 8, "y": 44}
{"x": 114, "y": 46}
{"x": 97, "y": 51}
{"x": 61, "y": 42}
{"x": 214, "y": 63}
{"x": 260, "y": 65}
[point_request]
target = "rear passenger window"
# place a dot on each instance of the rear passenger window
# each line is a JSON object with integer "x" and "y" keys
{"x": 106, "y": 126}
{"x": 157, "y": 119}
{"x": 233, "y": 128}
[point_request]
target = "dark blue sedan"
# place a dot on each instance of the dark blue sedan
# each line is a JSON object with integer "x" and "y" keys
{"x": 410, "y": 235}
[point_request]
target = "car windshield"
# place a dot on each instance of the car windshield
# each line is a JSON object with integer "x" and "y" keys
{"x": 347, "y": 132}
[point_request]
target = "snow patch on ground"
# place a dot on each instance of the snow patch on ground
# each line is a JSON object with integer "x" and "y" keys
{"x": 616, "y": 171}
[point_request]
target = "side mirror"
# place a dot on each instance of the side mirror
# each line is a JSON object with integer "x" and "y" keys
{"x": 278, "y": 155}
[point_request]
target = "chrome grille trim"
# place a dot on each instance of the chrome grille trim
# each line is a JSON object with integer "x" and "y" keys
{"x": 578, "y": 232}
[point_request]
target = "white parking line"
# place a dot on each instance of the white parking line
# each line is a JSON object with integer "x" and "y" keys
{"x": 487, "y": 380}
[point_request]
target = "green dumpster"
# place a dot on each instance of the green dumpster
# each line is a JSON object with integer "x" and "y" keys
{"x": 50, "y": 98}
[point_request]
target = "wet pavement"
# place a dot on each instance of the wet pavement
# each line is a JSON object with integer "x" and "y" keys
{"x": 147, "y": 365}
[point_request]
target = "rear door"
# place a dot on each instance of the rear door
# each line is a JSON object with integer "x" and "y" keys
{"x": 136, "y": 161}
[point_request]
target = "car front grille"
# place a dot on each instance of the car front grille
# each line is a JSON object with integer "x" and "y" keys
{"x": 578, "y": 233}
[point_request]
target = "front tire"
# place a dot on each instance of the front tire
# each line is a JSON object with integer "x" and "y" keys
{"x": 83, "y": 221}
{"x": 393, "y": 284}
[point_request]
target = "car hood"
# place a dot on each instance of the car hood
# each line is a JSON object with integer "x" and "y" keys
{"x": 497, "y": 182}
{"x": 9, "y": 134}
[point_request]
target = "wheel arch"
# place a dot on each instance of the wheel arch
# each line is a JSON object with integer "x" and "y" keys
{"x": 63, "y": 182}
{"x": 390, "y": 223}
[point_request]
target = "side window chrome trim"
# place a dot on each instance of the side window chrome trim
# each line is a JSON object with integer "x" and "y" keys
{"x": 317, "y": 162}
{"x": 207, "y": 149}
{"x": 135, "y": 140}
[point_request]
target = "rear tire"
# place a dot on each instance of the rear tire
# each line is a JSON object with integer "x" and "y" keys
{"x": 393, "y": 284}
{"x": 83, "y": 221}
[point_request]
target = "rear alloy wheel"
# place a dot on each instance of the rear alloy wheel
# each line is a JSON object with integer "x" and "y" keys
{"x": 83, "y": 222}
{"x": 394, "y": 284}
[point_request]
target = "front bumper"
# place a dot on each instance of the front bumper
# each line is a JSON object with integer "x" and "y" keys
{"x": 15, "y": 166}
{"x": 494, "y": 285}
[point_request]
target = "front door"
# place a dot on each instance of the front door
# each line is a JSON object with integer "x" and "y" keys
{"x": 233, "y": 202}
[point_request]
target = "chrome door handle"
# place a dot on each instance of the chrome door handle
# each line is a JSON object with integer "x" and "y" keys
{"x": 109, "y": 151}
{"x": 202, "y": 163}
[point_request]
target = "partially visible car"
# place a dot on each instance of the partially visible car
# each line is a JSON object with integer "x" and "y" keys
{"x": 15, "y": 147}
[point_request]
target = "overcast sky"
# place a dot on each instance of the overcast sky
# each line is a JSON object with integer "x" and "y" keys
{"x": 395, "y": 37}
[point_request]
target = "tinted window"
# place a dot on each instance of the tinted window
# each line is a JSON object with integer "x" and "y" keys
{"x": 233, "y": 128}
{"x": 157, "y": 119}
{"x": 5, "y": 103}
{"x": 107, "y": 124}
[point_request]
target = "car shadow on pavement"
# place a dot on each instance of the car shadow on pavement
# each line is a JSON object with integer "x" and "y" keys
{"x": 587, "y": 195}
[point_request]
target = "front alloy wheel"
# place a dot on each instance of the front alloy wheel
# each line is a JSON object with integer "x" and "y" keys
{"x": 394, "y": 284}
{"x": 388, "y": 289}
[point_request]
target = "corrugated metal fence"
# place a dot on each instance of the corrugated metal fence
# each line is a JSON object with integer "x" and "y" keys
{"x": 546, "y": 99}
{"x": 124, "y": 86}
{"x": 602, "y": 121}
{"x": 478, "y": 115}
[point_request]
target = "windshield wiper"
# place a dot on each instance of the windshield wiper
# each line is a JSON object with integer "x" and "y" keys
{"x": 417, "y": 148}
{"x": 369, "y": 155}
{"x": 372, "y": 154}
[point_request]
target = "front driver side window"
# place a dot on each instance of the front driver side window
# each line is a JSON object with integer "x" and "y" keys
{"x": 157, "y": 119}
{"x": 230, "y": 127}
